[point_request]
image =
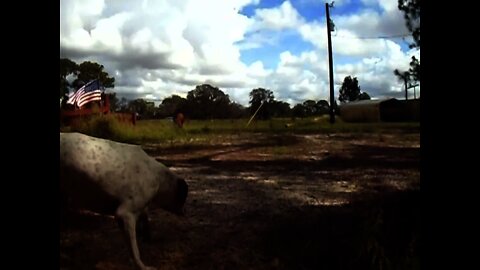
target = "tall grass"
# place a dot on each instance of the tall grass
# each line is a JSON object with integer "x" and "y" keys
{"x": 107, "y": 126}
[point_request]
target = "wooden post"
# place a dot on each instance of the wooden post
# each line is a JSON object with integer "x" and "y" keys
{"x": 330, "y": 66}
{"x": 251, "y": 118}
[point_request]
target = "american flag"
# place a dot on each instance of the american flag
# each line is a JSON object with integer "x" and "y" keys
{"x": 87, "y": 93}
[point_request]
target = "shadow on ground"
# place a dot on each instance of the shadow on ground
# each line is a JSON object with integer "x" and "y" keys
{"x": 326, "y": 203}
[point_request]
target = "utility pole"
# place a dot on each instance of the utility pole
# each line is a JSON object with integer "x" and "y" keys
{"x": 330, "y": 63}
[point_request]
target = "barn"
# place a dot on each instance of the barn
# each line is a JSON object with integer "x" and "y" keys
{"x": 380, "y": 110}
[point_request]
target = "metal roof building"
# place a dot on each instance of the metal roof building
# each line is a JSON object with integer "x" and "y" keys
{"x": 380, "y": 110}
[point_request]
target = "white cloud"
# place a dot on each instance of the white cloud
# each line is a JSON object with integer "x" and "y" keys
{"x": 388, "y": 5}
{"x": 314, "y": 33}
{"x": 259, "y": 39}
{"x": 347, "y": 44}
{"x": 257, "y": 70}
{"x": 296, "y": 78}
{"x": 370, "y": 22}
{"x": 107, "y": 32}
{"x": 283, "y": 17}
{"x": 192, "y": 40}
{"x": 375, "y": 74}
{"x": 356, "y": 34}
{"x": 159, "y": 48}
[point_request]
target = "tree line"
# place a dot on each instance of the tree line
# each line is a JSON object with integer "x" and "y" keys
{"x": 203, "y": 102}
{"x": 81, "y": 74}
{"x": 209, "y": 102}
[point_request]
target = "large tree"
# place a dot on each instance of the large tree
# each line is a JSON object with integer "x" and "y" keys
{"x": 411, "y": 12}
{"x": 237, "y": 110}
{"x": 405, "y": 77}
{"x": 88, "y": 71}
{"x": 322, "y": 107}
{"x": 280, "y": 109}
{"x": 350, "y": 90}
{"x": 82, "y": 73}
{"x": 259, "y": 96}
{"x": 415, "y": 69}
{"x": 207, "y": 102}
{"x": 410, "y": 76}
{"x": 67, "y": 67}
{"x": 145, "y": 109}
{"x": 299, "y": 110}
{"x": 310, "y": 107}
{"x": 172, "y": 105}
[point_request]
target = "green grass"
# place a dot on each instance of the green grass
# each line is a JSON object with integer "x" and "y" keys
{"x": 164, "y": 131}
{"x": 287, "y": 125}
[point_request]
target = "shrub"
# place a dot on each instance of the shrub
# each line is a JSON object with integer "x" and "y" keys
{"x": 101, "y": 126}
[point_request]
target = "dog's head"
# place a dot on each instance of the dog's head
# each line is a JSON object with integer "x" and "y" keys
{"x": 174, "y": 201}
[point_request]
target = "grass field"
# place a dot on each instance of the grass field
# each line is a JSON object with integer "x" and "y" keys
{"x": 208, "y": 130}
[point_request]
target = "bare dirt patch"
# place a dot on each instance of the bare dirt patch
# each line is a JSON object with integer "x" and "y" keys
{"x": 257, "y": 201}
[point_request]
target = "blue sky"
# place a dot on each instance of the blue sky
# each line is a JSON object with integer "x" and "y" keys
{"x": 269, "y": 53}
{"x": 158, "y": 48}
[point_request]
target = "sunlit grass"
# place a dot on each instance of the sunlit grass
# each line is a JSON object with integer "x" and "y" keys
{"x": 165, "y": 131}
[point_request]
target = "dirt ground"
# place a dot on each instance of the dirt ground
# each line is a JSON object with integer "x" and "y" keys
{"x": 257, "y": 201}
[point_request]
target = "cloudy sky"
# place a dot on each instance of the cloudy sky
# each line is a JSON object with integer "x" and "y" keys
{"x": 158, "y": 48}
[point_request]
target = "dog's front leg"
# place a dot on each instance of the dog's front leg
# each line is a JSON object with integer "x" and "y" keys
{"x": 129, "y": 221}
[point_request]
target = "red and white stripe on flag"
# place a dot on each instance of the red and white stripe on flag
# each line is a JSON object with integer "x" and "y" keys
{"x": 89, "y": 97}
{"x": 87, "y": 93}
